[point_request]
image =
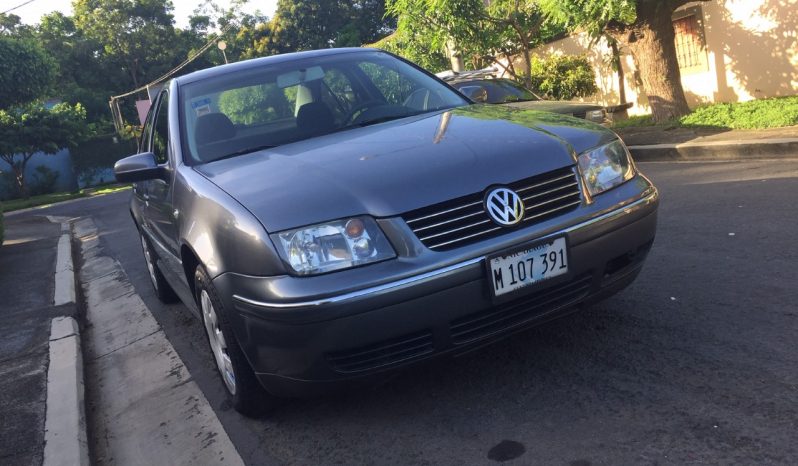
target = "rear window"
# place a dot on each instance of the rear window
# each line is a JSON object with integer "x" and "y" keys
{"x": 501, "y": 90}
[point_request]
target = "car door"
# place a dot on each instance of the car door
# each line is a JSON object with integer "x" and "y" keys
{"x": 160, "y": 211}
{"x": 141, "y": 194}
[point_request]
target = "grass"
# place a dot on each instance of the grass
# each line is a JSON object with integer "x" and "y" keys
{"x": 46, "y": 200}
{"x": 756, "y": 114}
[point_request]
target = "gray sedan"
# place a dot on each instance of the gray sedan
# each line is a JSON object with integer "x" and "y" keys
{"x": 335, "y": 215}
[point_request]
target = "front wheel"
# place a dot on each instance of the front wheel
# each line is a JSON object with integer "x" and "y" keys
{"x": 245, "y": 392}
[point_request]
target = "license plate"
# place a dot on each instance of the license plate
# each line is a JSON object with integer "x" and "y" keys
{"x": 524, "y": 268}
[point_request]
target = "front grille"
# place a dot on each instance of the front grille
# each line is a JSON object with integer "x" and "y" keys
{"x": 463, "y": 220}
{"x": 383, "y": 354}
{"x": 486, "y": 323}
{"x": 581, "y": 115}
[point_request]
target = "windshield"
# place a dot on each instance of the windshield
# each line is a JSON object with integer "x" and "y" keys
{"x": 272, "y": 105}
{"x": 501, "y": 90}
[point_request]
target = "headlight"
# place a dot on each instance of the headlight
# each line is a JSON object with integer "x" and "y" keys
{"x": 606, "y": 167}
{"x": 335, "y": 245}
{"x": 596, "y": 115}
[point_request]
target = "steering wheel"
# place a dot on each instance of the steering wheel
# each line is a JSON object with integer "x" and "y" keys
{"x": 358, "y": 111}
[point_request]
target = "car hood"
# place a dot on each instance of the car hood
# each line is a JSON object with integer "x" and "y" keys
{"x": 556, "y": 106}
{"x": 391, "y": 168}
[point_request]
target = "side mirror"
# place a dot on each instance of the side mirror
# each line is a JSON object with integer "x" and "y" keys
{"x": 476, "y": 93}
{"x": 139, "y": 167}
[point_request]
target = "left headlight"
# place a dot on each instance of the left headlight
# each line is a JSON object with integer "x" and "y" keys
{"x": 335, "y": 245}
{"x": 606, "y": 167}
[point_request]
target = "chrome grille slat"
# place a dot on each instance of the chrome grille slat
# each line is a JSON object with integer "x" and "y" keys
{"x": 573, "y": 204}
{"x": 520, "y": 190}
{"x": 535, "y": 206}
{"x": 455, "y": 230}
{"x": 464, "y": 238}
{"x": 463, "y": 220}
{"x": 560, "y": 188}
{"x": 444, "y": 212}
{"x": 448, "y": 221}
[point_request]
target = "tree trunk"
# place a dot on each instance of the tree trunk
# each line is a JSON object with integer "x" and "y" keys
{"x": 651, "y": 41}
{"x": 617, "y": 63}
{"x": 19, "y": 175}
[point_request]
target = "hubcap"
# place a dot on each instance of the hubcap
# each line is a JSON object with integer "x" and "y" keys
{"x": 148, "y": 260}
{"x": 218, "y": 343}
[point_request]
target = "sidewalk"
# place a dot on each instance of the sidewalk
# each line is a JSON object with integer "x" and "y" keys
{"x": 705, "y": 144}
{"x": 27, "y": 268}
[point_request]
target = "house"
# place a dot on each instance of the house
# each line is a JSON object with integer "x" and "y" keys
{"x": 728, "y": 51}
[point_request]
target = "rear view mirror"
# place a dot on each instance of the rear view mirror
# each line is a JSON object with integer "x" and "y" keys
{"x": 476, "y": 93}
{"x": 139, "y": 167}
{"x": 294, "y": 78}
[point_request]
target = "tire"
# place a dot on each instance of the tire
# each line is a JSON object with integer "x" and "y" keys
{"x": 245, "y": 393}
{"x": 163, "y": 290}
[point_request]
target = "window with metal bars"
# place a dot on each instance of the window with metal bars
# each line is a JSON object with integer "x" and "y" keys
{"x": 690, "y": 49}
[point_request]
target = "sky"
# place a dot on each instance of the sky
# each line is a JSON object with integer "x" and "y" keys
{"x": 33, "y": 11}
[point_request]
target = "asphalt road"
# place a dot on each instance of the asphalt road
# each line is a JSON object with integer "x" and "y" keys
{"x": 695, "y": 363}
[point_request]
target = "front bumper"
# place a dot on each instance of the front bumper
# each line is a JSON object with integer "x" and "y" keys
{"x": 300, "y": 343}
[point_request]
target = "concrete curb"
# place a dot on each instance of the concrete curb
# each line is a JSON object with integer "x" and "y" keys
{"x": 64, "y": 270}
{"x": 65, "y": 422}
{"x": 754, "y": 149}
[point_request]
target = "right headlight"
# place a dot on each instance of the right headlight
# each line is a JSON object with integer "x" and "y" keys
{"x": 335, "y": 245}
{"x": 606, "y": 167}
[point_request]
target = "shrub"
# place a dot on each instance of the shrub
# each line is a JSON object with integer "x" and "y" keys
{"x": 43, "y": 181}
{"x": 95, "y": 157}
{"x": 563, "y": 77}
{"x": 756, "y": 114}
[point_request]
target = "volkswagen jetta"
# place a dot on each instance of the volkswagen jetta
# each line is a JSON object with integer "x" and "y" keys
{"x": 333, "y": 215}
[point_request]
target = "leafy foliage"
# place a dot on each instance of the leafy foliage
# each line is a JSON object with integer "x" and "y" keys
{"x": 43, "y": 181}
{"x": 563, "y": 77}
{"x": 308, "y": 24}
{"x": 26, "y": 71}
{"x": 93, "y": 157}
{"x": 136, "y": 35}
{"x": 482, "y": 34}
{"x": 756, "y": 114}
{"x": 38, "y": 129}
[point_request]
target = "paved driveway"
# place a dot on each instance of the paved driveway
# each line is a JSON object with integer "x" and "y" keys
{"x": 696, "y": 363}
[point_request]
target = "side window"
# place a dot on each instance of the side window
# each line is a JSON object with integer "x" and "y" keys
{"x": 144, "y": 139}
{"x": 337, "y": 93}
{"x": 393, "y": 86}
{"x": 160, "y": 134}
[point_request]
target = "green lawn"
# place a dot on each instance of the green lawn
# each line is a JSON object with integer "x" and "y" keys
{"x": 756, "y": 114}
{"x": 47, "y": 199}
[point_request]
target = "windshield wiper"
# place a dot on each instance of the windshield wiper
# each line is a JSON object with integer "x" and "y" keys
{"x": 382, "y": 119}
{"x": 248, "y": 150}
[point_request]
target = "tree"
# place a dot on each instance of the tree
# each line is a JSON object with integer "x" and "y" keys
{"x": 137, "y": 35}
{"x": 36, "y": 128}
{"x": 484, "y": 33}
{"x": 26, "y": 71}
{"x": 310, "y": 24}
{"x": 84, "y": 73}
{"x": 645, "y": 28}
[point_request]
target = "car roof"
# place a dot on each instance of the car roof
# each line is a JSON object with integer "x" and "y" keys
{"x": 270, "y": 60}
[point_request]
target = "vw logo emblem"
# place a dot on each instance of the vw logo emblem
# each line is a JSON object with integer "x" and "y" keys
{"x": 504, "y": 206}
